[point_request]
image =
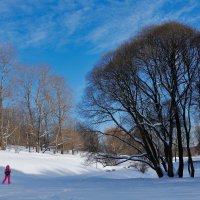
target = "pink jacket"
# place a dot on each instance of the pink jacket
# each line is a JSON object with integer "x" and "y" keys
{"x": 7, "y": 170}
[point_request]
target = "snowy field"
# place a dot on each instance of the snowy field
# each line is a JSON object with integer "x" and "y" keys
{"x": 66, "y": 177}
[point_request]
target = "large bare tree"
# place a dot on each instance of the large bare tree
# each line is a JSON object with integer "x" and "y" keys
{"x": 146, "y": 85}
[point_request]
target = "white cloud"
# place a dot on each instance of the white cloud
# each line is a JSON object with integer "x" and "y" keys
{"x": 121, "y": 23}
{"x": 72, "y": 21}
{"x": 101, "y": 25}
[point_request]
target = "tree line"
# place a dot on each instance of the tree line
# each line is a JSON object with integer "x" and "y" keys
{"x": 148, "y": 91}
{"x": 36, "y": 108}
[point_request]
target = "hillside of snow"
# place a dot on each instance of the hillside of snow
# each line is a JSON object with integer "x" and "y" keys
{"x": 66, "y": 177}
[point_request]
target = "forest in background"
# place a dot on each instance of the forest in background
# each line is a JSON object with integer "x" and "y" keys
{"x": 36, "y": 107}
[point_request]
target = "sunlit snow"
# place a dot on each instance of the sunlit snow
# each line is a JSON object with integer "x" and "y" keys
{"x": 66, "y": 177}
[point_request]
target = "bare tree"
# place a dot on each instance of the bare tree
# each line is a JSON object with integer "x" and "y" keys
{"x": 113, "y": 143}
{"x": 146, "y": 85}
{"x": 46, "y": 101}
{"x": 25, "y": 90}
{"x": 7, "y": 58}
{"x": 34, "y": 92}
{"x": 61, "y": 104}
{"x": 91, "y": 141}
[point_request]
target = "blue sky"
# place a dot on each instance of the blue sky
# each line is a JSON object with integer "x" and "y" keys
{"x": 72, "y": 35}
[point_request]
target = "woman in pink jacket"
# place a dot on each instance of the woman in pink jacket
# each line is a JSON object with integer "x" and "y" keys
{"x": 7, "y": 174}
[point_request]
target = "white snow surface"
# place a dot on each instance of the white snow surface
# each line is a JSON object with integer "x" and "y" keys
{"x": 66, "y": 177}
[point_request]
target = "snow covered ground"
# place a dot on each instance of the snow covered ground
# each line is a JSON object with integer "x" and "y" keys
{"x": 66, "y": 177}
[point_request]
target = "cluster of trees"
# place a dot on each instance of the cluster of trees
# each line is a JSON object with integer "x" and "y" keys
{"x": 148, "y": 90}
{"x": 35, "y": 108}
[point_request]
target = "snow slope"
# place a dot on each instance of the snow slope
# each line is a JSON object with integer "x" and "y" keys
{"x": 65, "y": 177}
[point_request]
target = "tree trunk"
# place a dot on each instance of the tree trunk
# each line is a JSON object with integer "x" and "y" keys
{"x": 180, "y": 147}
{"x": 159, "y": 172}
{"x": 170, "y": 171}
{"x": 191, "y": 169}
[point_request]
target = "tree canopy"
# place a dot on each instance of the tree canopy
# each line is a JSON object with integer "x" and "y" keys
{"x": 147, "y": 84}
